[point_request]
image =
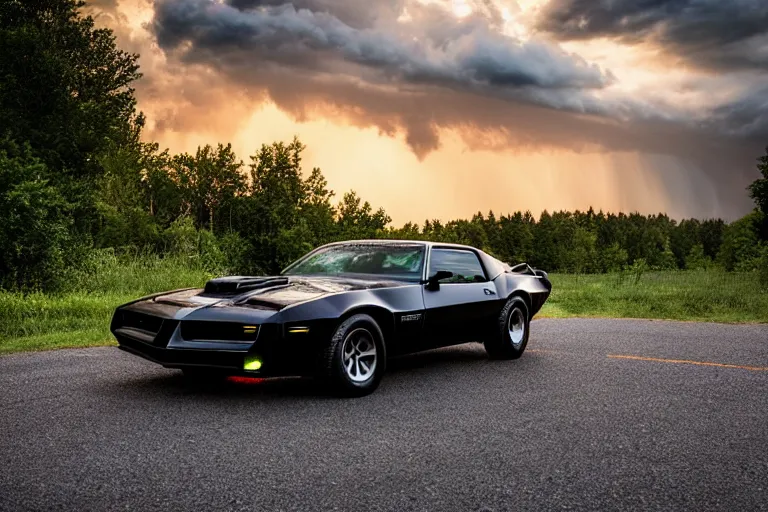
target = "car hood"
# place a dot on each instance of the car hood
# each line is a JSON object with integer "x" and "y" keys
{"x": 260, "y": 293}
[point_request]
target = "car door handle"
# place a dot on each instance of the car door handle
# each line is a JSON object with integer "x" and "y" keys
{"x": 488, "y": 291}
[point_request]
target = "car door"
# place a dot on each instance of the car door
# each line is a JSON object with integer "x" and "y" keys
{"x": 461, "y": 308}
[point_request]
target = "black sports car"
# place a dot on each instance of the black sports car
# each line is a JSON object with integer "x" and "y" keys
{"x": 338, "y": 313}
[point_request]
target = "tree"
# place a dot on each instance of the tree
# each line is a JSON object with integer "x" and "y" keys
{"x": 613, "y": 258}
{"x": 207, "y": 181}
{"x": 515, "y": 238}
{"x": 316, "y": 208}
{"x": 582, "y": 257}
{"x": 697, "y": 260}
{"x": 545, "y": 244}
{"x": 270, "y": 214}
{"x": 123, "y": 200}
{"x": 740, "y": 248}
{"x": 409, "y": 231}
{"x": 683, "y": 238}
{"x": 66, "y": 99}
{"x": 66, "y": 91}
{"x": 357, "y": 220}
{"x": 34, "y": 234}
{"x": 759, "y": 189}
{"x": 711, "y": 236}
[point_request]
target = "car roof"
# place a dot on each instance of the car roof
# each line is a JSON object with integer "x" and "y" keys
{"x": 493, "y": 266}
{"x": 386, "y": 241}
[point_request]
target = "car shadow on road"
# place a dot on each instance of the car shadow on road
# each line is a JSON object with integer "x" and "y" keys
{"x": 438, "y": 359}
{"x": 174, "y": 383}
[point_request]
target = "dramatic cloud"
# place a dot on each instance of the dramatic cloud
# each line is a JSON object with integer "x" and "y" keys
{"x": 712, "y": 35}
{"x": 492, "y": 76}
{"x": 462, "y": 55}
{"x": 721, "y": 34}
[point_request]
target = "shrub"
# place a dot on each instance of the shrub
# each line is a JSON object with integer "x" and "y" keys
{"x": 637, "y": 269}
{"x": 697, "y": 260}
{"x": 36, "y": 245}
{"x": 762, "y": 266}
{"x": 198, "y": 247}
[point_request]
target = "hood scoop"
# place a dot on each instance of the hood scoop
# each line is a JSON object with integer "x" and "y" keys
{"x": 235, "y": 285}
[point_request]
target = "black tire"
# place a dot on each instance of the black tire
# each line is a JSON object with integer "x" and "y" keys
{"x": 354, "y": 332}
{"x": 501, "y": 346}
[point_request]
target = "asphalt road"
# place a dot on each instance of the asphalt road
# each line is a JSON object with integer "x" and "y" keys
{"x": 567, "y": 427}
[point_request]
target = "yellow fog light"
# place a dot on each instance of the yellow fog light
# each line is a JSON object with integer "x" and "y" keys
{"x": 251, "y": 363}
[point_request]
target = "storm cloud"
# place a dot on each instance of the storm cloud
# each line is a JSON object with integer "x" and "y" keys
{"x": 465, "y": 56}
{"x": 717, "y": 34}
{"x": 415, "y": 68}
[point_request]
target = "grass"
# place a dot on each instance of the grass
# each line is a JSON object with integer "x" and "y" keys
{"x": 712, "y": 296}
{"x": 80, "y": 317}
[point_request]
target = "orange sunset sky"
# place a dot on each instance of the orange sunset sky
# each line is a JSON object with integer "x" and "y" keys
{"x": 442, "y": 108}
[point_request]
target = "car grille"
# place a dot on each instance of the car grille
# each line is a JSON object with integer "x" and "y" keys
{"x": 141, "y": 321}
{"x": 143, "y": 327}
{"x": 194, "y": 330}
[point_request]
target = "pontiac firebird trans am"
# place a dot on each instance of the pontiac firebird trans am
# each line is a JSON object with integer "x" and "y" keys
{"x": 338, "y": 313}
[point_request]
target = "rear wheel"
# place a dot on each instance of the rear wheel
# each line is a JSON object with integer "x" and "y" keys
{"x": 511, "y": 332}
{"x": 355, "y": 358}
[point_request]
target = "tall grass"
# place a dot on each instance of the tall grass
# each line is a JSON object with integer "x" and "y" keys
{"x": 710, "y": 295}
{"x": 79, "y": 315}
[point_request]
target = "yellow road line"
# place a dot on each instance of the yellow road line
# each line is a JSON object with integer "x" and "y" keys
{"x": 685, "y": 361}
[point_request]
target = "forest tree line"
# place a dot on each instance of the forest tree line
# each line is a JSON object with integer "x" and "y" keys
{"x": 76, "y": 177}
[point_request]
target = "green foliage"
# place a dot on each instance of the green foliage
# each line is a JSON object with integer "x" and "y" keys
{"x": 758, "y": 190}
{"x": 697, "y": 260}
{"x": 637, "y": 269}
{"x": 714, "y": 295}
{"x": 357, "y": 220}
{"x": 121, "y": 199}
{"x": 740, "y": 250}
{"x": 79, "y": 313}
{"x": 66, "y": 90}
{"x": 762, "y": 266}
{"x": 65, "y": 97}
{"x": 35, "y": 242}
{"x": 207, "y": 182}
{"x": 582, "y": 253}
{"x": 282, "y": 214}
{"x": 197, "y": 246}
{"x": 613, "y": 258}
{"x": 234, "y": 251}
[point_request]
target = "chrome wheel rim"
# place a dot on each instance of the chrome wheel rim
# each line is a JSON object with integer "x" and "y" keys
{"x": 359, "y": 355}
{"x": 516, "y": 327}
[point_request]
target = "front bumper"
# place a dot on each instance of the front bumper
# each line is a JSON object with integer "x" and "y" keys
{"x": 182, "y": 358}
{"x": 159, "y": 339}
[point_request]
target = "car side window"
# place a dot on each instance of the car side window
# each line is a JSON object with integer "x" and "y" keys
{"x": 465, "y": 265}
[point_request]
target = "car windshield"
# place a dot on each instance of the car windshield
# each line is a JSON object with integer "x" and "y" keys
{"x": 395, "y": 261}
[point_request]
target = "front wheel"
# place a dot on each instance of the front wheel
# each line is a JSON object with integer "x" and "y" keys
{"x": 512, "y": 331}
{"x": 355, "y": 358}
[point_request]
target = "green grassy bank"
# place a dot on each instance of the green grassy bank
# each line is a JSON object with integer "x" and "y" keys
{"x": 711, "y": 295}
{"x": 80, "y": 317}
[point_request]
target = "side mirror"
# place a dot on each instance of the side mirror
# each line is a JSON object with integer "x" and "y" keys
{"x": 433, "y": 283}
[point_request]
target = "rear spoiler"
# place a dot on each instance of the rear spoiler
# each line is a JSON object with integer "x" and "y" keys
{"x": 524, "y": 268}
